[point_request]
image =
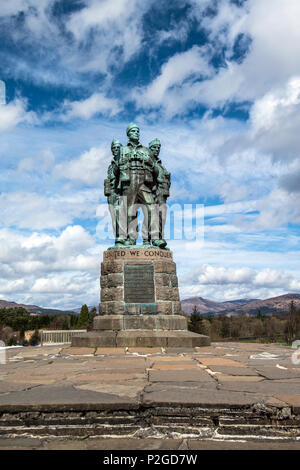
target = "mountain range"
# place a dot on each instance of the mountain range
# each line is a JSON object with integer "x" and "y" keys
{"x": 35, "y": 309}
{"x": 274, "y": 305}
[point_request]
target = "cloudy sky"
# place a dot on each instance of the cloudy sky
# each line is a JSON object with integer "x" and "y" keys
{"x": 218, "y": 81}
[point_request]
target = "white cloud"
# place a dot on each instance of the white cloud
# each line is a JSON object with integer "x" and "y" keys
{"x": 277, "y": 209}
{"x": 241, "y": 282}
{"x": 15, "y": 6}
{"x": 89, "y": 168}
{"x": 42, "y": 163}
{"x": 24, "y": 209}
{"x": 58, "y": 286}
{"x": 273, "y": 27}
{"x": 97, "y": 103}
{"x": 181, "y": 68}
{"x": 12, "y": 287}
{"x": 275, "y": 121}
{"x": 271, "y": 60}
{"x": 46, "y": 269}
{"x": 221, "y": 275}
{"x": 15, "y": 113}
{"x": 98, "y": 36}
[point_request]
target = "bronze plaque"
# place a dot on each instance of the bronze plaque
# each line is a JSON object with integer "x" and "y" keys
{"x": 139, "y": 283}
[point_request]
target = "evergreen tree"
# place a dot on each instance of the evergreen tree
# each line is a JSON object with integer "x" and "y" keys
{"x": 291, "y": 324}
{"x": 195, "y": 319}
{"x": 92, "y": 314}
{"x": 83, "y": 319}
{"x": 226, "y": 327}
{"x": 260, "y": 315}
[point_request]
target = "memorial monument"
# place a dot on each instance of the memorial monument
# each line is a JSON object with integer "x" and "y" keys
{"x": 139, "y": 301}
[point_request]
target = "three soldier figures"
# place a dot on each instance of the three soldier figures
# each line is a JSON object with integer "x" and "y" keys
{"x": 137, "y": 179}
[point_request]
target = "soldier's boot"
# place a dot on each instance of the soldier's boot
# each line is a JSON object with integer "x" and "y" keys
{"x": 159, "y": 243}
{"x": 120, "y": 242}
{"x": 146, "y": 243}
{"x": 130, "y": 242}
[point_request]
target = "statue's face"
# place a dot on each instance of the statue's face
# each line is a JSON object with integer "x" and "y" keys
{"x": 155, "y": 149}
{"x": 115, "y": 149}
{"x": 134, "y": 134}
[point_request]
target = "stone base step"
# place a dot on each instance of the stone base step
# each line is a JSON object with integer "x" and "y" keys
{"x": 140, "y": 338}
{"x": 140, "y": 322}
{"x": 227, "y": 423}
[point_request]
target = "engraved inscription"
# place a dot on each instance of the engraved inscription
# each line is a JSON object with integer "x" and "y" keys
{"x": 139, "y": 283}
{"x": 137, "y": 253}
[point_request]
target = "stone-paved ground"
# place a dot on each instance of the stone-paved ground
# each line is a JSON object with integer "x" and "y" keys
{"x": 229, "y": 374}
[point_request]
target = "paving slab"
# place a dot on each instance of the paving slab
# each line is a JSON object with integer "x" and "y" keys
{"x": 181, "y": 358}
{"x": 183, "y": 376}
{"x": 60, "y": 395}
{"x": 180, "y": 351}
{"x": 216, "y": 361}
{"x": 78, "y": 351}
{"x": 197, "y": 396}
{"x": 147, "y": 351}
{"x": 266, "y": 387}
{"x": 186, "y": 386}
{"x": 25, "y": 352}
{"x": 100, "y": 377}
{"x": 6, "y": 387}
{"x": 121, "y": 390}
{"x": 276, "y": 373}
{"x": 232, "y": 378}
{"x": 246, "y": 445}
{"x": 292, "y": 400}
{"x": 93, "y": 443}
{"x": 110, "y": 351}
{"x": 127, "y": 362}
{"x": 175, "y": 366}
{"x": 229, "y": 370}
{"x": 18, "y": 443}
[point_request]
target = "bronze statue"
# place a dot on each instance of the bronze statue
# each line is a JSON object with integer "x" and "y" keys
{"x": 110, "y": 185}
{"x": 137, "y": 179}
{"x": 162, "y": 187}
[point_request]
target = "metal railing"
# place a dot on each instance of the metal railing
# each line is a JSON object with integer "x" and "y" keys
{"x": 58, "y": 336}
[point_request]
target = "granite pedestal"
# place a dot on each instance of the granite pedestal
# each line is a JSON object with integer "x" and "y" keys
{"x": 140, "y": 303}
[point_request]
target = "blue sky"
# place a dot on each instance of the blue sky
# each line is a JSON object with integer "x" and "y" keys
{"x": 218, "y": 81}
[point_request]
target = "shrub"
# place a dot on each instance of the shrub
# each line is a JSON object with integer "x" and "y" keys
{"x": 35, "y": 338}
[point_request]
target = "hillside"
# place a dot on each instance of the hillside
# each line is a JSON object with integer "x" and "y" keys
{"x": 210, "y": 306}
{"x": 34, "y": 308}
{"x": 279, "y": 305}
{"x": 274, "y": 305}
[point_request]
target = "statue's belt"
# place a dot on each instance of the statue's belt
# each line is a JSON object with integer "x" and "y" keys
{"x": 139, "y": 170}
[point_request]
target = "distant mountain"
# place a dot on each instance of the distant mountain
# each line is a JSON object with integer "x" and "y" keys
{"x": 35, "y": 309}
{"x": 210, "y": 306}
{"x": 274, "y": 305}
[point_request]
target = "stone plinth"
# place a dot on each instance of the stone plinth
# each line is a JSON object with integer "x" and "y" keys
{"x": 139, "y": 281}
{"x": 140, "y": 303}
